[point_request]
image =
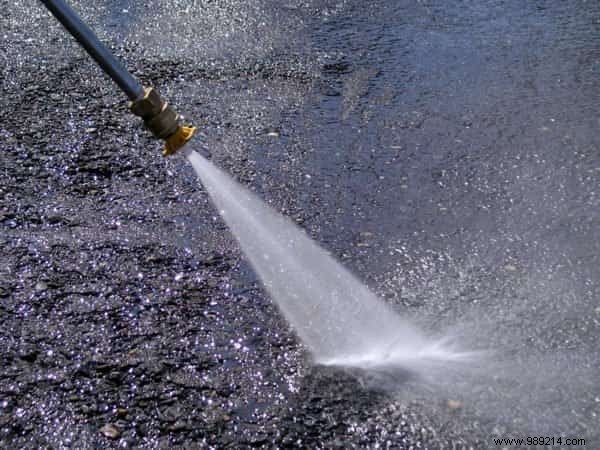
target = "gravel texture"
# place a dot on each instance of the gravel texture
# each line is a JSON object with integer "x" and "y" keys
{"x": 129, "y": 318}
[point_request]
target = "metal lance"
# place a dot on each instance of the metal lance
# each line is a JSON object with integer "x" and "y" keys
{"x": 159, "y": 117}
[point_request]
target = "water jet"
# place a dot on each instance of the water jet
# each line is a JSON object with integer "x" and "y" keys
{"x": 340, "y": 320}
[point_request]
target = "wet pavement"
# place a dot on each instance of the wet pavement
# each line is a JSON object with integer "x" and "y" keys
{"x": 447, "y": 152}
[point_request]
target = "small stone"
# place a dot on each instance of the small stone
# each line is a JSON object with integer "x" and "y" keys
{"x": 179, "y": 425}
{"x": 121, "y": 412}
{"x": 91, "y": 130}
{"x": 110, "y": 431}
{"x": 273, "y": 134}
{"x": 454, "y": 404}
{"x": 510, "y": 268}
{"x": 40, "y": 286}
{"x": 29, "y": 355}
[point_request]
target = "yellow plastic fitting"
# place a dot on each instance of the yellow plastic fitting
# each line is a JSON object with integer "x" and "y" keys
{"x": 178, "y": 139}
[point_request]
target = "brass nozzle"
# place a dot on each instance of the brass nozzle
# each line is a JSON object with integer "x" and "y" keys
{"x": 178, "y": 139}
{"x": 162, "y": 120}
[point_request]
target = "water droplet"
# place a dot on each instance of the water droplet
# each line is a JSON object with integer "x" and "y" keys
{"x": 40, "y": 286}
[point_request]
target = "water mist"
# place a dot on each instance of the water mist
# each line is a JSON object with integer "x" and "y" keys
{"x": 338, "y": 318}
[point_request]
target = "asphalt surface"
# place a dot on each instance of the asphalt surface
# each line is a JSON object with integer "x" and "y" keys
{"x": 446, "y": 152}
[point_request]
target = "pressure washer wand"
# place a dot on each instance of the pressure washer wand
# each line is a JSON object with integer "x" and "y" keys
{"x": 159, "y": 117}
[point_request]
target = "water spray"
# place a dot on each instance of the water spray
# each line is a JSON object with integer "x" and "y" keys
{"x": 158, "y": 116}
{"x": 337, "y": 316}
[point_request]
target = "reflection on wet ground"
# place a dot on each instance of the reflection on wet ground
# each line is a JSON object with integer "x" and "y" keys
{"x": 446, "y": 152}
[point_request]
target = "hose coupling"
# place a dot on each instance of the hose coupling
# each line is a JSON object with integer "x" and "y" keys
{"x": 162, "y": 120}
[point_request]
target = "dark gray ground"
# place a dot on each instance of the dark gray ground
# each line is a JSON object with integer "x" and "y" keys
{"x": 446, "y": 151}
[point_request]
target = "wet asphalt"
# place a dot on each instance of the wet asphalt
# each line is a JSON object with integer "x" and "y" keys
{"x": 446, "y": 152}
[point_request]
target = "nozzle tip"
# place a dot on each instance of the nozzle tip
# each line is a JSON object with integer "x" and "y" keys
{"x": 178, "y": 139}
